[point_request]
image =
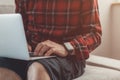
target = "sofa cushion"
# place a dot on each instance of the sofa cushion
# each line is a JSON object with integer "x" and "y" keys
{"x": 99, "y": 73}
{"x": 104, "y": 62}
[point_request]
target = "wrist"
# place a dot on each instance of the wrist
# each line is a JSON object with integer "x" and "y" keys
{"x": 69, "y": 48}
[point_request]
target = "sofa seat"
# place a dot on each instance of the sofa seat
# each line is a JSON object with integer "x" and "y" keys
{"x": 99, "y": 73}
{"x": 101, "y": 68}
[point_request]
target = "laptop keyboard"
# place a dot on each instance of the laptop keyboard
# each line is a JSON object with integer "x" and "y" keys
{"x": 31, "y": 54}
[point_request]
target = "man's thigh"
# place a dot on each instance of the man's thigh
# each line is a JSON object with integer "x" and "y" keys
{"x": 17, "y": 66}
{"x": 60, "y": 68}
{"x": 6, "y": 74}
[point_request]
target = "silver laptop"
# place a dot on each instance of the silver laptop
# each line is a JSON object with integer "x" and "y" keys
{"x": 12, "y": 38}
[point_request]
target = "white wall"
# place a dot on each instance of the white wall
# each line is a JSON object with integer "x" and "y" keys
{"x": 115, "y": 23}
{"x": 6, "y": 2}
{"x": 105, "y": 48}
{"x": 7, "y": 6}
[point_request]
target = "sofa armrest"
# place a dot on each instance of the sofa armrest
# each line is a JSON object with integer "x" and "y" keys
{"x": 7, "y": 9}
{"x": 104, "y": 62}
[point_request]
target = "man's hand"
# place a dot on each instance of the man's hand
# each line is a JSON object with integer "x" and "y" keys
{"x": 48, "y": 48}
{"x": 29, "y": 48}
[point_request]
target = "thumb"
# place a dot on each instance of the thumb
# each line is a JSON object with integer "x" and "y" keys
{"x": 29, "y": 48}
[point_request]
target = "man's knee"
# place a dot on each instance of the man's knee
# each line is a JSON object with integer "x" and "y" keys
{"x": 37, "y": 72}
{"x": 6, "y": 74}
{"x": 36, "y": 67}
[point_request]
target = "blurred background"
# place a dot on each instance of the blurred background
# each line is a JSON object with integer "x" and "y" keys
{"x": 110, "y": 21}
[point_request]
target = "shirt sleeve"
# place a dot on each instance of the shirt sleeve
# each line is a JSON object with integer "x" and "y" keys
{"x": 21, "y": 8}
{"x": 17, "y": 10}
{"x": 90, "y": 38}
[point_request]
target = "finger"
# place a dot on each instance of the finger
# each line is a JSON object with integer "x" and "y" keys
{"x": 29, "y": 48}
{"x": 43, "y": 50}
{"x": 49, "y": 52}
{"x": 37, "y": 49}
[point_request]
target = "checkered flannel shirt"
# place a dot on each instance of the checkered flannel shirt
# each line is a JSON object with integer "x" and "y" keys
{"x": 73, "y": 21}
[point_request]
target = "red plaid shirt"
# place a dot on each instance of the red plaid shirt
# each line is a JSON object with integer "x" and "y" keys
{"x": 74, "y": 21}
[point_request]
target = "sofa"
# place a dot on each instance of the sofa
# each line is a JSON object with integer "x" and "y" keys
{"x": 101, "y": 68}
{"x": 97, "y": 68}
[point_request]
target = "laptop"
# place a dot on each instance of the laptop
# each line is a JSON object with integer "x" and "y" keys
{"x": 13, "y": 42}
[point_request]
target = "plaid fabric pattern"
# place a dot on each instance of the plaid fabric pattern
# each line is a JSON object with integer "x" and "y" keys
{"x": 74, "y": 21}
